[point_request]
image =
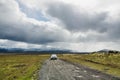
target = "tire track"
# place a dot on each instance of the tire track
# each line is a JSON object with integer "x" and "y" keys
{"x": 61, "y": 70}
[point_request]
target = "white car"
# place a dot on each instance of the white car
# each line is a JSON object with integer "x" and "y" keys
{"x": 53, "y": 57}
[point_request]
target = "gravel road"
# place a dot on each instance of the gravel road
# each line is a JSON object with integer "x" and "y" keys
{"x": 61, "y": 70}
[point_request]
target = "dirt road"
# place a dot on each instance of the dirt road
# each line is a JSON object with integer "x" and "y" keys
{"x": 61, "y": 70}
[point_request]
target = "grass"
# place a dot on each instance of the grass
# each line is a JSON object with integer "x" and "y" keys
{"x": 20, "y": 67}
{"x": 107, "y": 63}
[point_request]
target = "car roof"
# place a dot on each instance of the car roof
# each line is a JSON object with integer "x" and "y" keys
{"x": 53, "y": 55}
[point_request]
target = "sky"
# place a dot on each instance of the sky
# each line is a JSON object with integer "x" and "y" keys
{"x": 77, "y": 25}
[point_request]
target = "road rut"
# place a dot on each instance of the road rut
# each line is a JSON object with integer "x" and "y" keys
{"x": 61, "y": 70}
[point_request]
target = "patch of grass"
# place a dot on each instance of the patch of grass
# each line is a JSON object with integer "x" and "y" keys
{"x": 107, "y": 63}
{"x": 20, "y": 67}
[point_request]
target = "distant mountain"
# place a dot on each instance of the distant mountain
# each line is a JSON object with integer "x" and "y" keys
{"x": 7, "y": 50}
{"x": 104, "y": 50}
{"x": 109, "y": 51}
{"x": 33, "y": 50}
{"x": 3, "y": 50}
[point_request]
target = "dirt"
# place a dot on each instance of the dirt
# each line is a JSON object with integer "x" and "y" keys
{"x": 62, "y": 70}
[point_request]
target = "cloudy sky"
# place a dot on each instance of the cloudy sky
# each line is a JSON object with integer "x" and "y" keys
{"x": 78, "y": 25}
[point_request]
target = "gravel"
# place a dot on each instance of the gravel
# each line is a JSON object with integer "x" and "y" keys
{"x": 62, "y": 70}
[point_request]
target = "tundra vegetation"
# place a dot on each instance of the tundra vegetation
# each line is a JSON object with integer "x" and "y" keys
{"x": 106, "y": 62}
{"x": 20, "y": 67}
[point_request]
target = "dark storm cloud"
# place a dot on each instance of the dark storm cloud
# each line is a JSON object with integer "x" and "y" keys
{"x": 14, "y": 25}
{"x": 76, "y": 19}
{"x": 33, "y": 34}
{"x": 114, "y": 31}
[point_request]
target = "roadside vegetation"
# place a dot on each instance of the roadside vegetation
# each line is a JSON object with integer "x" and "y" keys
{"x": 20, "y": 67}
{"x": 106, "y": 62}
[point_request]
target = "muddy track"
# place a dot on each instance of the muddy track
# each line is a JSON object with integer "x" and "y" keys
{"x": 62, "y": 70}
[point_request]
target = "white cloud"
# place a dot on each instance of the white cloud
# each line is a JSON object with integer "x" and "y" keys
{"x": 17, "y": 26}
{"x": 71, "y": 24}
